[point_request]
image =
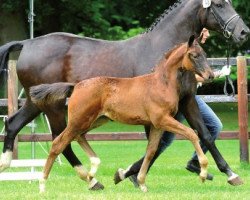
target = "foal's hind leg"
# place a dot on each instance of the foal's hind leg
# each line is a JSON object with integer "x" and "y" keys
{"x": 12, "y": 126}
{"x": 173, "y": 126}
{"x": 58, "y": 115}
{"x": 94, "y": 159}
{"x": 58, "y": 145}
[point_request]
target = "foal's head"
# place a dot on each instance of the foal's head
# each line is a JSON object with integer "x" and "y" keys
{"x": 195, "y": 60}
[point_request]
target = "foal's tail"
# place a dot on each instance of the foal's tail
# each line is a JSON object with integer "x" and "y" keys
{"x": 46, "y": 94}
{"x": 4, "y": 54}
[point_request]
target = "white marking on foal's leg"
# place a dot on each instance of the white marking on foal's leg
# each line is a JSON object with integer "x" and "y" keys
{"x": 233, "y": 176}
{"x": 42, "y": 185}
{"x": 82, "y": 172}
{"x": 143, "y": 187}
{"x": 5, "y": 160}
{"x": 95, "y": 162}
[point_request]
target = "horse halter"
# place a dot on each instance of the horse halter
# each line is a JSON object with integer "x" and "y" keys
{"x": 225, "y": 26}
{"x": 227, "y": 34}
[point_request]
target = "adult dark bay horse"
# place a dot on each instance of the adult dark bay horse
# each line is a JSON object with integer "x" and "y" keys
{"x": 62, "y": 57}
{"x": 151, "y": 100}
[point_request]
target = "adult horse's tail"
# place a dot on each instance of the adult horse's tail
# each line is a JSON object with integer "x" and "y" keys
{"x": 4, "y": 54}
{"x": 46, "y": 94}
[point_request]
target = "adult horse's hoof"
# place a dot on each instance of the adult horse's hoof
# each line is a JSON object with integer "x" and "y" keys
{"x": 5, "y": 160}
{"x": 119, "y": 176}
{"x": 97, "y": 186}
{"x": 236, "y": 180}
{"x": 3, "y": 166}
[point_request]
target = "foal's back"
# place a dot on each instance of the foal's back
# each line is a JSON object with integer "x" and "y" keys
{"x": 127, "y": 100}
{"x": 120, "y": 99}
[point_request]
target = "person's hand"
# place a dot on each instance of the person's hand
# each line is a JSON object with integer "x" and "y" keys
{"x": 225, "y": 71}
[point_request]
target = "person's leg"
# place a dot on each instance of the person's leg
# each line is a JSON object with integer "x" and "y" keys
{"x": 214, "y": 126}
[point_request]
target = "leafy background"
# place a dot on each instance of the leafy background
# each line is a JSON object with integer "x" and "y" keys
{"x": 108, "y": 19}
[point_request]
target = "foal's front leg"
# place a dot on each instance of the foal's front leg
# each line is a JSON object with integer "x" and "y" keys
{"x": 190, "y": 109}
{"x": 169, "y": 124}
{"x": 153, "y": 142}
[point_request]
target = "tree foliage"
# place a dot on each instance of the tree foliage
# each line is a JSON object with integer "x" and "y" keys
{"x": 109, "y": 19}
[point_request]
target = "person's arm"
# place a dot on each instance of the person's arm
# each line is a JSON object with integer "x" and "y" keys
{"x": 224, "y": 71}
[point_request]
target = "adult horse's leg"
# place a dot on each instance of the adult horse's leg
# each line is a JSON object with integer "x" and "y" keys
{"x": 55, "y": 114}
{"x": 12, "y": 126}
{"x": 189, "y": 107}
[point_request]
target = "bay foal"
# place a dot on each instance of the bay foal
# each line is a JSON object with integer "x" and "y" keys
{"x": 146, "y": 100}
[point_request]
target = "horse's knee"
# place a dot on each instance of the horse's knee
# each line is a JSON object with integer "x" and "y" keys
{"x": 151, "y": 153}
{"x": 206, "y": 138}
{"x": 95, "y": 162}
{"x": 82, "y": 172}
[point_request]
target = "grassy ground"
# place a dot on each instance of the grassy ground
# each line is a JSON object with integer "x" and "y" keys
{"x": 167, "y": 179}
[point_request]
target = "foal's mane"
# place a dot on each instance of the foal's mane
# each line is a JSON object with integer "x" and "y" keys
{"x": 167, "y": 55}
{"x": 163, "y": 15}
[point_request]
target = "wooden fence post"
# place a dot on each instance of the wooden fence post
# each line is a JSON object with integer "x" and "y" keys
{"x": 242, "y": 108}
{"x": 13, "y": 97}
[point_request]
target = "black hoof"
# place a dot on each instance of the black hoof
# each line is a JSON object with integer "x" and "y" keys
{"x": 235, "y": 181}
{"x": 117, "y": 178}
{"x": 97, "y": 186}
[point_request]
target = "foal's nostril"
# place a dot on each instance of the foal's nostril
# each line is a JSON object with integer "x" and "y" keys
{"x": 211, "y": 76}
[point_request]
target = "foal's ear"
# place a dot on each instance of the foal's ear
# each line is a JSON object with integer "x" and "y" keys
{"x": 191, "y": 40}
{"x": 199, "y": 39}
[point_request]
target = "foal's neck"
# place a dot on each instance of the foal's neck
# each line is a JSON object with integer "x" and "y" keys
{"x": 169, "y": 67}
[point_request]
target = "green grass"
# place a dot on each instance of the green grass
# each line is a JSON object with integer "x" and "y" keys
{"x": 167, "y": 179}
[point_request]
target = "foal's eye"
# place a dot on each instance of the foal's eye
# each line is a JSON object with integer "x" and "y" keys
{"x": 194, "y": 55}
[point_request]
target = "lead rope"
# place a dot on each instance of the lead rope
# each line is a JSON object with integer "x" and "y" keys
{"x": 228, "y": 80}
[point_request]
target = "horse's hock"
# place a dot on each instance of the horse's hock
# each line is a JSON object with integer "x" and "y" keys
{"x": 242, "y": 98}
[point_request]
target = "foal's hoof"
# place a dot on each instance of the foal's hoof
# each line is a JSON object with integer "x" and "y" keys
{"x": 235, "y": 181}
{"x": 42, "y": 185}
{"x": 203, "y": 176}
{"x": 97, "y": 186}
{"x": 119, "y": 176}
{"x": 143, "y": 188}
